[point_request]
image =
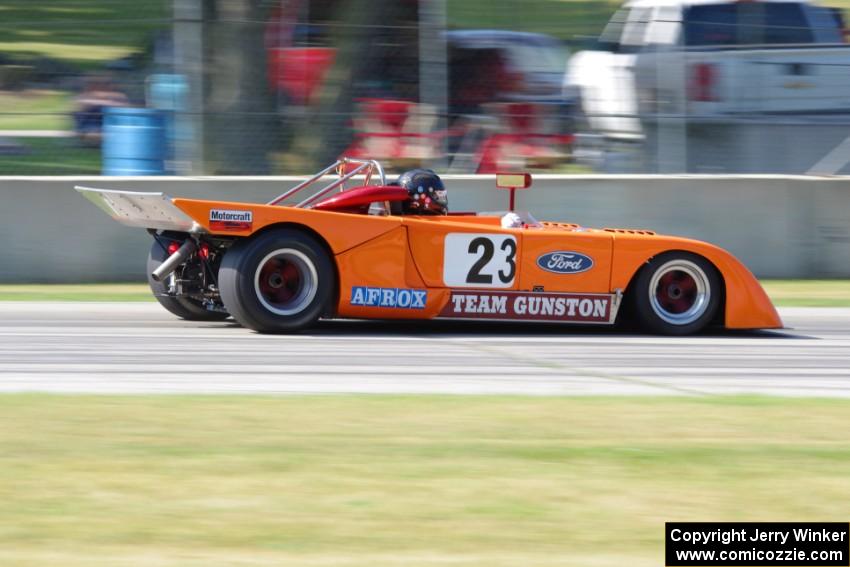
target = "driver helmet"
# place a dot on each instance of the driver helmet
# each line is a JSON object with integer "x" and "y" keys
{"x": 426, "y": 191}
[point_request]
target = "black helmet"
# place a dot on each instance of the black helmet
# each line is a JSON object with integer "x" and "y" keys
{"x": 427, "y": 192}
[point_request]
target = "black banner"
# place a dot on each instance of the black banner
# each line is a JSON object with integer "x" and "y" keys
{"x": 763, "y": 544}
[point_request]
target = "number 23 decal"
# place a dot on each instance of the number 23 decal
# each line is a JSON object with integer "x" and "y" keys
{"x": 479, "y": 260}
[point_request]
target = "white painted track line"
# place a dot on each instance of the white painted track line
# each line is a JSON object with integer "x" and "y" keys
{"x": 139, "y": 348}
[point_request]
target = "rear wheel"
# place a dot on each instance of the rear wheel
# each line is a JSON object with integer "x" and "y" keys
{"x": 280, "y": 281}
{"x": 183, "y": 307}
{"x": 677, "y": 293}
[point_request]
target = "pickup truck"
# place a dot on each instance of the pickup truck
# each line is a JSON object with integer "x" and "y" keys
{"x": 708, "y": 60}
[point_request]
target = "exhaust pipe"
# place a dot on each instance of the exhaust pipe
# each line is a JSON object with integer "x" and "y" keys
{"x": 166, "y": 268}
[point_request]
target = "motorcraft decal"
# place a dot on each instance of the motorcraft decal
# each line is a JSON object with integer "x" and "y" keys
{"x": 395, "y": 297}
{"x": 222, "y": 219}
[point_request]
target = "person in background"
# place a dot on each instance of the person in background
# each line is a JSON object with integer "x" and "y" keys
{"x": 98, "y": 93}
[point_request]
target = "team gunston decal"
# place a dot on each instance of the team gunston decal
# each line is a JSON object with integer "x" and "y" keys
{"x": 529, "y": 306}
{"x": 564, "y": 262}
{"x": 221, "y": 219}
{"x": 397, "y": 297}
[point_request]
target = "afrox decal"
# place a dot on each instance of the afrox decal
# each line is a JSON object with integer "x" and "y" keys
{"x": 397, "y": 297}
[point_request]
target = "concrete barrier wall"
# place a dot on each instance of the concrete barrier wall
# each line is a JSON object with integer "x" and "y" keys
{"x": 780, "y": 226}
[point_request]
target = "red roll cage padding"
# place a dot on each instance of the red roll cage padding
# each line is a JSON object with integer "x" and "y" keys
{"x": 358, "y": 199}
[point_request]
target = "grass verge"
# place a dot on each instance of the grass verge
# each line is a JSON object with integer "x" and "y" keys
{"x": 36, "y": 110}
{"x": 784, "y": 293}
{"x": 390, "y": 481}
{"x": 570, "y": 20}
{"x": 51, "y": 156}
{"x": 808, "y": 293}
{"x": 84, "y": 33}
{"x": 75, "y": 292}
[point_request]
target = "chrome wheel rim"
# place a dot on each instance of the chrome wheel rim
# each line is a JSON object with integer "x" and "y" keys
{"x": 286, "y": 281}
{"x": 679, "y": 292}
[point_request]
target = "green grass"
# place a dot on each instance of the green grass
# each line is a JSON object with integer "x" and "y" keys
{"x": 565, "y": 19}
{"x": 87, "y": 33}
{"x": 84, "y": 33}
{"x": 401, "y": 481}
{"x": 75, "y": 292}
{"x": 51, "y": 156}
{"x": 809, "y": 293}
{"x": 35, "y": 110}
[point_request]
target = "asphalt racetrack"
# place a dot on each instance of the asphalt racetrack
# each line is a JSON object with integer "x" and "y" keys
{"x": 140, "y": 348}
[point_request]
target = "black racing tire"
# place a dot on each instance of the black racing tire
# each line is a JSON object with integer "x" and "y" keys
{"x": 183, "y": 307}
{"x": 677, "y": 293}
{"x": 278, "y": 282}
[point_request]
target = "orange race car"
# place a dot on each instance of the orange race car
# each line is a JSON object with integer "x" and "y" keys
{"x": 394, "y": 251}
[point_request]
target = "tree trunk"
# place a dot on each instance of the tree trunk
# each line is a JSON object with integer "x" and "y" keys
{"x": 325, "y": 135}
{"x": 242, "y": 121}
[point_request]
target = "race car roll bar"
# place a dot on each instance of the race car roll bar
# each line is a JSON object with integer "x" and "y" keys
{"x": 369, "y": 166}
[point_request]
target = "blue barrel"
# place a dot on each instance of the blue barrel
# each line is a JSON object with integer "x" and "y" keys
{"x": 167, "y": 92}
{"x": 134, "y": 141}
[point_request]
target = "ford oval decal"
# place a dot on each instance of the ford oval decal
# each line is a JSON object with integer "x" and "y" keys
{"x": 563, "y": 262}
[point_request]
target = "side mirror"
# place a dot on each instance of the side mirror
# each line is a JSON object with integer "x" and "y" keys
{"x": 513, "y": 181}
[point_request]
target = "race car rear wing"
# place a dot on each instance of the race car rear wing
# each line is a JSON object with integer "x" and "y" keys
{"x": 142, "y": 210}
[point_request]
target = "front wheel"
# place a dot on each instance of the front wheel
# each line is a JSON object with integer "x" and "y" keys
{"x": 677, "y": 293}
{"x": 280, "y": 281}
